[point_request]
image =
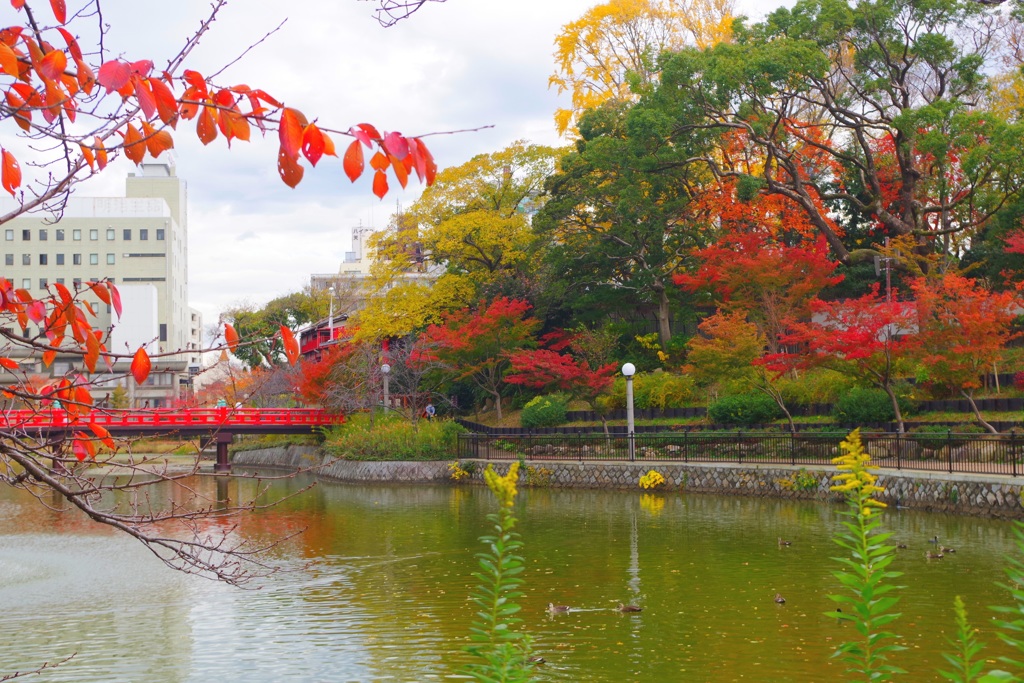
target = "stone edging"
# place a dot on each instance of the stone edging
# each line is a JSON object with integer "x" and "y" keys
{"x": 931, "y": 491}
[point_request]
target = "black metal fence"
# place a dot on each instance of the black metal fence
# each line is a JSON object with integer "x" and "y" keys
{"x": 950, "y": 452}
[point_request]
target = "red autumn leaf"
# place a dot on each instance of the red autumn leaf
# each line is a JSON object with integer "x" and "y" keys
{"x": 49, "y": 357}
{"x": 88, "y": 156}
{"x": 60, "y": 11}
{"x": 396, "y": 145}
{"x": 290, "y": 132}
{"x": 206, "y": 126}
{"x": 114, "y": 75}
{"x": 79, "y": 447}
{"x": 10, "y": 176}
{"x": 365, "y": 133}
{"x": 379, "y": 162}
{"x": 289, "y": 169}
{"x": 312, "y": 143}
{"x": 103, "y": 435}
{"x": 9, "y": 364}
{"x": 144, "y": 96}
{"x": 17, "y": 4}
{"x": 400, "y": 172}
{"x": 8, "y": 60}
{"x": 141, "y": 365}
{"x": 101, "y": 153}
{"x": 353, "y": 161}
{"x": 157, "y": 141}
{"x": 380, "y": 184}
{"x": 73, "y": 48}
{"x": 134, "y": 146}
{"x": 115, "y": 298}
{"x": 166, "y": 105}
{"x": 291, "y": 345}
{"x": 143, "y": 67}
{"x": 52, "y": 65}
{"x": 231, "y": 337}
{"x": 92, "y": 352}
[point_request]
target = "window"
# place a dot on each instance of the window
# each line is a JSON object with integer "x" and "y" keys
{"x": 163, "y": 332}
{"x": 60, "y": 281}
{"x": 42, "y": 259}
{"x": 76, "y": 259}
{"x": 143, "y": 234}
{"x": 8, "y": 259}
{"x": 60, "y": 234}
{"x": 94, "y": 234}
{"x": 94, "y": 259}
{"x": 43, "y": 234}
{"x": 26, "y": 283}
{"x": 78, "y": 282}
{"x": 60, "y": 259}
{"x": 42, "y": 283}
{"x": 160, "y": 234}
{"x": 26, "y": 235}
{"x": 76, "y": 235}
{"x": 9, "y": 235}
{"x": 110, "y": 259}
{"x": 127, "y": 234}
{"x": 111, "y": 234}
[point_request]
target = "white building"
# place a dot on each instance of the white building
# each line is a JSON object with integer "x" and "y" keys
{"x": 140, "y": 243}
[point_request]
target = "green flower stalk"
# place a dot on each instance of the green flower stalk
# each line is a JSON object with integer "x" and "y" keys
{"x": 867, "y": 602}
{"x": 505, "y": 652}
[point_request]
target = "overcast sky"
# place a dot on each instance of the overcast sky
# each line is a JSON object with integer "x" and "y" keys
{"x": 458, "y": 65}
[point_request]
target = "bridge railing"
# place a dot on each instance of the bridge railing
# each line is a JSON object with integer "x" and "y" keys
{"x": 195, "y": 417}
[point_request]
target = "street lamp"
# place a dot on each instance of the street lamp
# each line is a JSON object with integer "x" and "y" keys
{"x": 629, "y": 370}
{"x": 330, "y": 317}
{"x": 385, "y": 369}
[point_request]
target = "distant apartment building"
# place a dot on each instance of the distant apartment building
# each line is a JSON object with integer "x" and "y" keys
{"x": 140, "y": 243}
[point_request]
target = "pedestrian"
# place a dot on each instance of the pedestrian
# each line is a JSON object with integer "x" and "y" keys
{"x": 429, "y": 411}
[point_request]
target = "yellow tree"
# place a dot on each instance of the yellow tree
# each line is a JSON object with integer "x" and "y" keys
{"x": 465, "y": 239}
{"x": 615, "y": 45}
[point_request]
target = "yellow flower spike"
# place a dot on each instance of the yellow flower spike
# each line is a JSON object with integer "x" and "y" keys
{"x": 854, "y": 475}
{"x": 503, "y": 487}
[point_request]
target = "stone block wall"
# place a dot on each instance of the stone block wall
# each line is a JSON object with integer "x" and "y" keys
{"x": 934, "y": 491}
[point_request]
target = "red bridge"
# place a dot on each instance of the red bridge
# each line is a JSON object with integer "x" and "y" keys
{"x": 219, "y": 424}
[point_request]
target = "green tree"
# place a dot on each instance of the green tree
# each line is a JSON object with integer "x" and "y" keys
{"x": 259, "y": 326}
{"x": 615, "y": 222}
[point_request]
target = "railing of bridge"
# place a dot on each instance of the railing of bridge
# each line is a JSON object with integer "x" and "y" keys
{"x": 1000, "y": 454}
{"x": 196, "y": 417}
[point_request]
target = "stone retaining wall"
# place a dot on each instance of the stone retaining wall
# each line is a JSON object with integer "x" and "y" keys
{"x": 933, "y": 491}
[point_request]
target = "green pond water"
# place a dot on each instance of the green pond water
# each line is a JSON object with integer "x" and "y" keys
{"x": 379, "y": 584}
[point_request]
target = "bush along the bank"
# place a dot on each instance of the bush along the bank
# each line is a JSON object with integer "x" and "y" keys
{"x": 544, "y": 411}
{"x": 393, "y": 439}
{"x": 861, "y": 405}
{"x": 744, "y": 410}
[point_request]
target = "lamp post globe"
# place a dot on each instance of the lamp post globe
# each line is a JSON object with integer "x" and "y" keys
{"x": 385, "y": 370}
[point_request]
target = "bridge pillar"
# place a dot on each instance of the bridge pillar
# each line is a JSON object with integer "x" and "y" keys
{"x": 223, "y": 464}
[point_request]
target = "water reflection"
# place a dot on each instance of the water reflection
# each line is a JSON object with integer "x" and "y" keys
{"x": 379, "y": 584}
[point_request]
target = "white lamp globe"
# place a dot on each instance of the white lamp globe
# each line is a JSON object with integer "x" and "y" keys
{"x": 628, "y": 369}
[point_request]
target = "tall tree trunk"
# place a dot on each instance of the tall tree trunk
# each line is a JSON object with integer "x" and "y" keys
{"x": 664, "y": 329}
{"x": 895, "y": 408}
{"x": 977, "y": 413}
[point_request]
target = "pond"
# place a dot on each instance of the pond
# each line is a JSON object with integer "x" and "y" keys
{"x": 379, "y": 582}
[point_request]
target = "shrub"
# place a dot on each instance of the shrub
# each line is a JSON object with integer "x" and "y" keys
{"x": 935, "y": 437}
{"x": 652, "y": 480}
{"x": 1018, "y": 381}
{"x": 654, "y": 390}
{"x": 744, "y": 409}
{"x": 544, "y": 411}
{"x": 815, "y": 386}
{"x": 393, "y": 440}
{"x": 862, "y": 405}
